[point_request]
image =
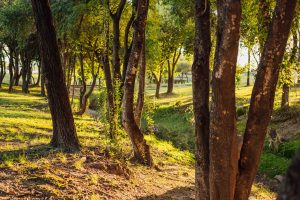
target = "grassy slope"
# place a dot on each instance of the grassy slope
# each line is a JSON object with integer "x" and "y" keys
{"x": 175, "y": 121}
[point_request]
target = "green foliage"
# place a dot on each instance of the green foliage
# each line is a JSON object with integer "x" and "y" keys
{"x": 16, "y": 21}
{"x": 273, "y": 165}
{"x": 289, "y": 149}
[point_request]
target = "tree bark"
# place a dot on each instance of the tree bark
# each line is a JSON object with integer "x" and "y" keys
{"x": 200, "y": 74}
{"x": 64, "y": 132}
{"x": 262, "y": 98}
{"x": 140, "y": 147}
{"x": 141, "y": 92}
{"x": 223, "y": 133}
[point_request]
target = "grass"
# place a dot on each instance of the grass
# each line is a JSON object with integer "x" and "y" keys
{"x": 174, "y": 117}
{"x": 26, "y": 129}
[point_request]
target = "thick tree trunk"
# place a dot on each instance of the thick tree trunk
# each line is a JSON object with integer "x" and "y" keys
{"x": 223, "y": 133}
{"x": 262, "y": 98}
{"x": 141, "y": 92}
{"x": 200, "y": 73}
{"x": 249, "y": 67}
{"x": 64, "y": 132}
{"x": 140, "y": 147}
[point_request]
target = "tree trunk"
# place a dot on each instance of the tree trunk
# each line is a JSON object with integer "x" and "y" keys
{"x": 126, "y": 46}
{"x": 170, "y": 79}
{"x": 285, "y": 95}
{"x": 141, "y": 92}
{"x": 87, "y": 94}
{"x": 158, "y": 82}
{"x": 16, "y": 68}
{"x": 262, "y": 98}
{"x": 10, "y": 69}
{"x": 25, "y": 71}
{"x": 171, "y": 70}
{"x": 249, "y": 67}
{"x": 83, "y": 88}
{"x": 64, "y": 132}
{"x": 2, "y": 67}
{"x": 200, "y": 73}
{"x": 223, "y": 133}
{"x": 112, "y": 115}
{"x": 140, "y": 147}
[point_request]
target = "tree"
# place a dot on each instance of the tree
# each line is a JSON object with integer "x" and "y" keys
{"x": 262, "y": 99}
{"x": 140, "y": 147}
{"x": 64, "y": 132}
{"x": 200, "y": 73}
{"x": 230, "y": 175}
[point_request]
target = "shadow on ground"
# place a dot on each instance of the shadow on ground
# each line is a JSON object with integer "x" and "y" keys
{"x": 179, "y": 193}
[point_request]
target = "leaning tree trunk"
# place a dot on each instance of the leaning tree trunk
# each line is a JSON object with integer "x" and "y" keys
{"x": 64, "y": 132}
{"x": 200, "y": 73}
{"x": 223, "y": 133}
{"x": 141, "y": 92}
{"x": 262, "y": 98}
{"x": 140, "y": 147}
